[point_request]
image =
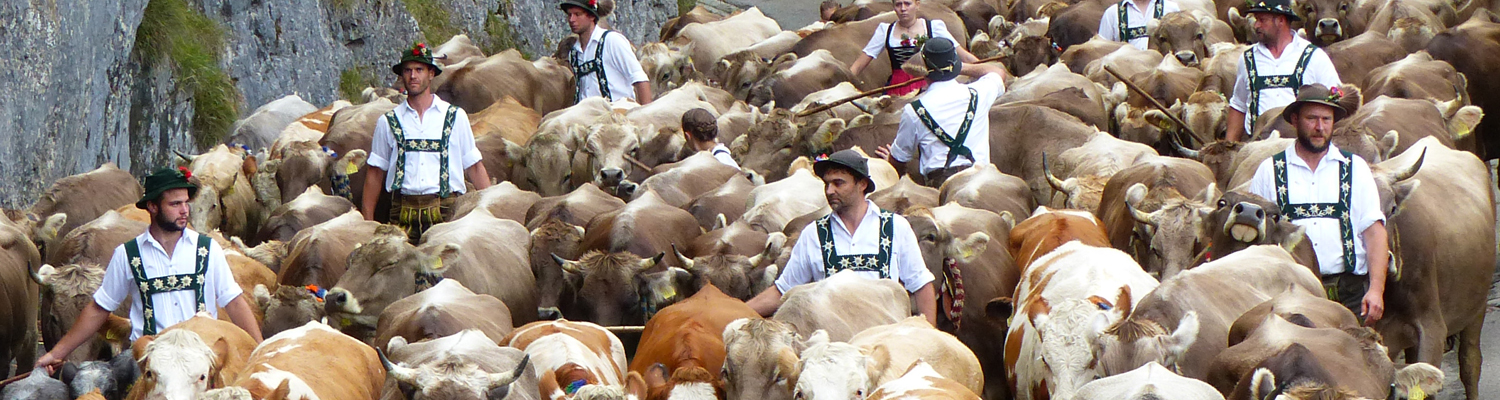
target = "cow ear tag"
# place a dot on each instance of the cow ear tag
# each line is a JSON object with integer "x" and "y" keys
{"x": 437, "y": 263}
{"x": 351, "y": 169}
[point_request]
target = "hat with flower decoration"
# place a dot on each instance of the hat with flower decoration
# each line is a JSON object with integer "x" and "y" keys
{"x": 1283, "y": 7}
{"x": 1316, "y": 94}
{"x": 419, "y": 53}
{"x": 591, "y": 6}
{"x": 166, "y": 179}
{"x": 848, "y": 159}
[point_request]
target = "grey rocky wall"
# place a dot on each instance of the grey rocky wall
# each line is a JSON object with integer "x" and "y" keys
{"x": 76, "y": 93}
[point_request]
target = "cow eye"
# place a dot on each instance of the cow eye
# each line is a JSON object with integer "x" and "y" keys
{"x": 1343, "y": 7}
{"x": 1200, "y": 35}
{"x": 798, "y": 395}
{"x": 724, "y": 373}
{"x": 1223, "y": 202}
{"x": 201, "y": 378}
{"x": 929, "y": 238}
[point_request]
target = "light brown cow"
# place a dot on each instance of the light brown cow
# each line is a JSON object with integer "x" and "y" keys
{"x": 728, "y": 200}
{"x": 309, "y": 128}
{"x": 790, "y": 78}
{"x": 986, "y": 188}
{"x": 465, "y": 365}
{"x": 262, "y": 127}
{"x": 646, "y": 226}
{"x": 318, "y": 254}
{"x": 506, "y": 117}
{"x": 1084, "y": 170}
{"x": 556, "y": 225}
{"x": 310, "y": 208}
{"x": 225, "y": 199}
{"x": 1046, "y": 81}
{"x": 312, "y": 362}
{"x": 1169, "y": 83}
{"x": 1366, "y": 132}
{"x": 1297, "y": 373}
{"x": 504, "y": 201}
{"x": 1127, "y": 60}
{"x": 698, "y": 14}
{"x": 719, "y": 257}
{"x": 680, "y": 182}
{"x": 667, "y": 67}
{"x": 19, "y": 336}
{"x": 843, "y": 305}
{"x": 1079, "y": 56}
{"x": 1355, "y": 57}
{"x": 306, "y": 164}
{"x": 190, "y": 357}
{"x": 486, "y": 253}
{"x": 1016, "y": 148}
{"x": 543, "y": 85}
{"x": 924, "y": 383}
{"x": 760, "y": 359}
{"x": 1311, "y": 311}
{"x": 1187, "y": 35}
{"x": 877, "y": 355}
{"x": 1153, "y": 210}
{"x": 904, "y": 195}
{"x": 706, "y": 42}
{"x": 75, "y": 200}
{"x": 1149, "y": 382}
{"x": 447, "y": 308}
{"x": 458, "y": 48}
{"x": 1359, "y": 365}
{"x": 772, "y": 206}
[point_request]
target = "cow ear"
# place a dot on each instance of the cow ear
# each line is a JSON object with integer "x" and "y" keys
{"x": 351, "y": 162}
{"x": 1210, "y": 194}
{"x": 1262, "y": 384}
{"x": 786, "y": 367}
{"x": 445, "y": 256}
{"x": 1402, "y": 191}
{"x": 139, "y": 348}
{"x": 47, "y": 231}
{"x": 818, "y": 337}
{"x": 637, "y": 387}
{"x": 999, "y": 308}
{"x": 828, "y": 132}
{"x": 262, "y": 297}
{"x": 282, "y": 391}
{"x": 655, "y": 376}
{"x": 972, "y": 246}
{"x": 1294, "y": 238}
{"x": 1418, "y": 378}
{"x": 1388, "y": 143}
{"x": 1176, "y": 345}
{"x": 1463, "y": 121}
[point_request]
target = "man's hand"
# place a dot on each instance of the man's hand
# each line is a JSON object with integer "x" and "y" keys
{"x": 1373, "y": 307}
{"x": 50, "y": 362}
{"x": 883, "y": 152}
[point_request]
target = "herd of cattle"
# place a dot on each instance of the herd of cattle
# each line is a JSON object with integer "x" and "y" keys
{"x": 1101, "y": 256}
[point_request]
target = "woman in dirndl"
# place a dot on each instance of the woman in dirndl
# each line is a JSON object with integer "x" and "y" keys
{"x": 902, "y": 40}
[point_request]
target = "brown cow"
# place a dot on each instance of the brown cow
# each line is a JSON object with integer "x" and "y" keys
{"x": 1417, "y": 76}
{"x": 708, "y": 41}
{"x": 1041, "y": 83}
{"x": 843, "y": 39}
{"x": 225, "y": 199}
{"x": 603, "y": 148}
{"x": 843, "y": 305}
{"x": 1084, "y": 170}
{"x": 904, "y": 195}
{"x": 1016, "y": 148}
{"x": 791, "y": 78}
{"x": 75, "y": 200}
{"x": 464, "y": 365}
{"x": 1169, "y": 83}
{"x": 287, "y": 308}
{"x": 1449, "y": 122}
{"x": 615, "y": 288}
{"x": 309, "y": 128}
{"x": 773, "y": 206}
{"x": 685, "y": 339}
{"x": 307, "y": 164}
{"x": 486, "y": 253}
{"x": 728, "y": 200}
{"x": 504, "y": 201}
{"x": 732, "y": 258}
{"x": 1187, "y": 35}
{"x": 313, "y": 361}
{"x": 1153, "y": 210}
{"x": 1077, "y": 23}
{"x": 506, "y": 117}
{"x": 458, "y": 48}
{"x": 1355, "y": 57}
{"x": 1309, "y": 310}
{"x": 1297, "y": 373}
{"x": 310, "y": 208}
{"x": 556, "y": 225}
{"x": 1080, "y": 55}
{"x": 646, "y": 226}
{"x": 1360, "y": 366}
{"x": 680, "y": 182}
{"x": 698, "y": 14}
{"x": 261, "y": 127}
{"x": 986, "y": 188}
{"x": 19, "y": 336}
{"x": 543, "y": 85}
{"x": 448, "y": 308}
{"x": 760, "y": 358}
{"x": 1241, "y": 220}
{"x": 668, "y": 67}
{"x": 1472, "y": 48}
{"x": 317, "y": 255}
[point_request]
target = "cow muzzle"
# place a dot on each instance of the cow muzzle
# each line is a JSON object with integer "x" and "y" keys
{"x": 548, "y": 313}
{"x": 609, "y": 177}
{"x": 340, "y": 301}
{"x": 1329, "y": 30}
{"x": 1246, "y": 222}
{"x": 1187, "y": 58}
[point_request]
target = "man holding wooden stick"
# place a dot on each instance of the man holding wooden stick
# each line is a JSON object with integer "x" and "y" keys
{"x": 950, "y": 122}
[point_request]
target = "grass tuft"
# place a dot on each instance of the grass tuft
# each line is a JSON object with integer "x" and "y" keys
{"x": 171, "y": 29}
{"x": 683, "y": 6}
{"x": 433, "y": 19}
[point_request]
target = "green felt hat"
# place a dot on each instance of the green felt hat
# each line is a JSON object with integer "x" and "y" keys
{"x": 166, "y": 179}
{"x": 419, "y": 53}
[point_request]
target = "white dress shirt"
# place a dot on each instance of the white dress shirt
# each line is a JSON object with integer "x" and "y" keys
{"x": 1109, "y": 25}
{"x": 722, "y": 154}
{"x": 170, "y": 307}
{"x": 423, "y": 167}
{"x": 947, "y": 102}
{"x": 878, "y": 41}
{"x": 1322, "y": 186}
{"x": 806, "y": 263}
{"x": 619, "y": 64}
{"x": 1319, "y": 70}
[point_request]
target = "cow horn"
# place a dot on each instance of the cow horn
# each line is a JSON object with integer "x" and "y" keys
{"x": 568, "y": 266}
{"x": 1186, "y": 152}
{"x": 400, "y": 373}
{"x": 506, "y": 378}
{"x": 34, "y": 276}
{"x": 687, "y": 263}
{"x": 188, "y": 157}
{"x": 1410, "y": 170}
{"x": 1057, "y": 184}
{"x": 1134, "y": 195}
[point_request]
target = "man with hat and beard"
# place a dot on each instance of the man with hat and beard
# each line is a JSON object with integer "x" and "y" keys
{"x": 1274, "y": 67}
{"x": 424, "y": 149}
{"x": 857, "y": 236}
{"x": 1331, "y": 193}
{"x": 603, "y": 64}
{"x": 950, "y": 121}
{"x": 169, "y": 273}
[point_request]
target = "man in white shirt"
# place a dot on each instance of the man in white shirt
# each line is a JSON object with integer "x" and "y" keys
{"x": 701, "y": 130}
{"x": 169, "y": 273}
{"x": 603, "y": 64}
{"x": 1136, "y": 14}
{"x": 857, "y": 236}
{"x": 1272, "y": 69}
{"x": 424, "y": 148}
{"x": 950, "y": 121}
{"x": 1331, "y": 193}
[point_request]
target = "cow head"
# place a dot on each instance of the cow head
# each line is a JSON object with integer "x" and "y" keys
{"x": 832, "y": 371}
{"x": 109, "y": 378}
{"x": 1206, "y": 113}
{"x": 177, "y": 365}
{"x": 734, "y": 273}
{"x": 940, "y": 246}
{"x": 760, "y": 359}
{"x": 225, "y": 199}
{"x": 668, "y": 68}
{"x": 615, "y": 289}
{"x": 782, "y": 136}
{"x": 289, "y": 307}
{"x": 1029, "y": 52}
{"x": 66, "y": 291}
{"x": 686, "y": 383}
{"x": 42, "y": 231}
{"x": 605, "y": 147}
{"x": 1172, "y": 233}
{"x": 1067, "y": 355}
{"x": 381, "y": 271}
{"x": 306, "y": 164}
{"x": 1294, "y": 373}
{"x": 450, "y": 380}
{"x": 552, "y": 237}
{"x": 1218, "y": 156}
{"x": 1326, "y": 21}
{"x": 1081, "y": 192}
{"x": 1131, "y": 342}
{"x": 547, "y": 161}
{"x": 739, "y": 72}
{"x": 1241, "y": 220}
{"x": 1180, "y": 35}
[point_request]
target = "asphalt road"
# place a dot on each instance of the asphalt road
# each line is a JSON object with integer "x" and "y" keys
{"x": 790, "y": 14}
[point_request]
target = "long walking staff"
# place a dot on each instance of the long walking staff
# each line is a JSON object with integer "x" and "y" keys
{"x": 1201, "y": 141}
{"x": 13, "y": 379}
{"x": 878, "y": 90}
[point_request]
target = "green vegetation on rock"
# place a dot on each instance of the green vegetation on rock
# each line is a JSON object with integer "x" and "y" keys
{"x": 352, "y": 84}
{"x": 433, "y": 19}
{"x": 171, "y": 30}
{"x": 683, "y": 6}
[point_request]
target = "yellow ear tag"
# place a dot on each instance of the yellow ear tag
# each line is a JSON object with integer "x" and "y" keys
{"x": 345, "y": 322}
{"x": 437, "y": 263}
{"x": 968, "y": 252}
{"x": 669, "y": 292}
{"x": 351, "y": 169}
{"x": 1417, "y": 393}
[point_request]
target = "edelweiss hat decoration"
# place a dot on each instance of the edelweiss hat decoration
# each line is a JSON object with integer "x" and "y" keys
{"x": 941, "y": 58}
{"x": 166, "y": 179}
{"x": 419, "y": 53}
{"x": 1316, "y": 94}
{"x": 1282, "y": 7}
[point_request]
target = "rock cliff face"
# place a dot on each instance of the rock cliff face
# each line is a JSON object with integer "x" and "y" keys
{"x": 79, "y": 93}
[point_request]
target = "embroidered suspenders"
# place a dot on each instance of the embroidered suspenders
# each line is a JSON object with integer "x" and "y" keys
{"x": 404, "y": 145}
{"x": 1128, "y": 34}
{"x": 1259, "y": 83}
{"x": 1339, "y": 210}
{"x": 164, "y": 284}
{"x": 833, "y": 262}
{"x": 595, "y": 66}
{"x": 955, "y": 143}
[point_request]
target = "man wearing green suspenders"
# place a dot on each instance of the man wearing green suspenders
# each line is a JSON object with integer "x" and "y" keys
{"x": 604, "y": 65}
{"x": 949, "y": 123}
{"x": 169, "y": 273}
{"x": 1330, "y": 193}
{"x": 424, "y": 149}
{"x": 1126, "y": 20}
{"x": 1270, "y": 72}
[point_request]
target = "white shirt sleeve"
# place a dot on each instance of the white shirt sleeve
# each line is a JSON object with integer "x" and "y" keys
{"x": 908, "y": 256}
{"x": 1109, "y": 25}
{"x": 877, "y": 41}
{"x": 1263, "y": 184}
{"x": 622, "y": 58}
{"x": 990, "y": 87}
{"x": 381, "y": 145}
{"x": 1364, "y": 202}
{"x": 464, "y": 135}
{"x": 940, "y": 29}
{"x": 117, "y": 283}
{"x": 1320, "y": 69}
{"x": 798, "y": 269}
{"x": 220, "y": 277}
{"x": 1169, "y": 7}
{"x": 1239, "y": 98}
{"x": 905, "y": 144}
